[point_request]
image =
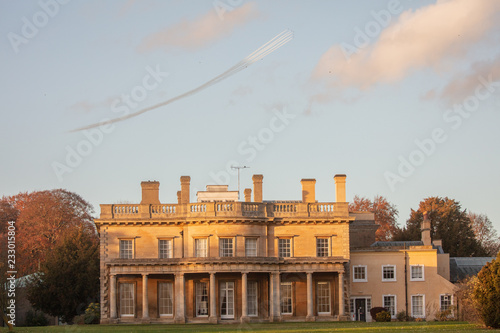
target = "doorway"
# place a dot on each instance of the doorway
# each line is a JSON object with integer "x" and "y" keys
{"x": 227, "y": 300}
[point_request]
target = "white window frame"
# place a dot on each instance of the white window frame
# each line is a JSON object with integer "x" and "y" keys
{"x": 256, "y": 246}
{"x": 227, "y": 288}
{"x": 170, "y": 288}
{"x": 411, "y": 273}
{"x": 328, "y": 247}
{"x": 281, "y": 251}
{"x": 288, "y": 285}
{"x": 441, "y": 302}
{"x": 390, "y": 279}
{"x": 329, "y": 298}
{"x": 354, "y": 279}
{"x": 170, "y": 248}
{"x": 423, "y": 306}
{"x": 198, "y": 298}
{"x": 122, "y": 286}
{"x": 393, "y": 315}
{"x": 195, "y": 244}
{"x": 252, "y": 299}
{"x": 120, "y": 249}
{"x": 222, "y": 249}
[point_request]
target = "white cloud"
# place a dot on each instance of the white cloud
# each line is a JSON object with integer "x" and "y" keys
{"x": 200, "y": 32}
{"x": 435, "y": 36}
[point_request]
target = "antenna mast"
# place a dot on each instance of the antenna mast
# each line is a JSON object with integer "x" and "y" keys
{"x": 238, "y": 168}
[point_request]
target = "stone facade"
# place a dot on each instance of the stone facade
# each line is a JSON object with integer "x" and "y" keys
{"x": 225, "y": 261}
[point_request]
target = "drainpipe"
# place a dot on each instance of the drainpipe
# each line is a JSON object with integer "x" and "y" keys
{"x": 182, "y": 236}
{"x": 406, "y": 285}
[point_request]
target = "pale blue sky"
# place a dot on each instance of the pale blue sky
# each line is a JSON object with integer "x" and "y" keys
{"x": 357, "y": 114}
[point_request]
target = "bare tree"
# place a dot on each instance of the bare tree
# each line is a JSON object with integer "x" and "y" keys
{"x": 485, "y": 233}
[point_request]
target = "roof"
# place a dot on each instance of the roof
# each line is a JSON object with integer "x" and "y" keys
{"x": 462, "y": 267}
{"x": 397, "y": 243}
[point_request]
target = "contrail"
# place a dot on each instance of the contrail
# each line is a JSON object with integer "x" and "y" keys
{"x": 271, "y": 46}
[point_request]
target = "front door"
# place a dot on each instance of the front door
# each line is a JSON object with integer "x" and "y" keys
{"x": 360, "y": 305}
{"x": 227, "y": 300}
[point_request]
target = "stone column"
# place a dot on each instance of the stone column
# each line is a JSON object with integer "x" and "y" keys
{"x": 180, "y": 310}
{"x": 213, "y": 297}
{"x": 244, "y": 303}
{"x": 310, "y": 311}
{"x": 271, "y": 297}
{"x": 275, "y": 297}
{"x": 145, "y": 300}
{"x": 112, "y": 296}
{"x": 341, "y": 295}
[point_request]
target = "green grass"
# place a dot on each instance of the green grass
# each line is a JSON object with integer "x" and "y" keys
{"x": 268, "y": 327}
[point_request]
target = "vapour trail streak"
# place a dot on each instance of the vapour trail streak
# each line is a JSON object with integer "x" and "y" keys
{"x": 271, "y": 46}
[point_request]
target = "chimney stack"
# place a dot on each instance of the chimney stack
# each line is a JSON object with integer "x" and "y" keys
{"x": 185, "y": 181}
{"x": 340, "y": 188}
{"x": 308, "y": 190}
{"x": 257, "y": 188}
{"x": 150, "y": 192}
{"x": 426, "y": 230}
{"x": 178, "y": 197}
{"x": 248, "y": 194}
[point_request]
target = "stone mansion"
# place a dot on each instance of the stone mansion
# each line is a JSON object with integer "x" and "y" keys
{"x": 224, "y": 260}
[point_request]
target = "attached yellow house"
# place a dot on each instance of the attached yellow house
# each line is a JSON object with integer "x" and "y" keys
{"x": 401, "y": 276}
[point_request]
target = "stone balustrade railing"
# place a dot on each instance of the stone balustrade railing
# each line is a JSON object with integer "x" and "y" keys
{"x": 225, "y": 209}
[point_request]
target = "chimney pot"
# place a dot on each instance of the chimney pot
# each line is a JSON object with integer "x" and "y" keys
{"x": 185, "y": 181}
{"x": 248, "y": 194}
{"x": 257, "y": 188}
{"x": 426, "y": 230}
{"x": 150, "y": 192}
{"x": 340, "y": 188}
{"x": 308, "y": 190}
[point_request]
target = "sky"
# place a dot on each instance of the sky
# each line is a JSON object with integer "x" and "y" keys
{"x": 401, "y": 96}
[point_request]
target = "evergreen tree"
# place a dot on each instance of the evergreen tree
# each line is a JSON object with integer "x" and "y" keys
{"x": 69, "y": 277}
{"x": 448, "y": 222}
{"x": 487, "y": 293}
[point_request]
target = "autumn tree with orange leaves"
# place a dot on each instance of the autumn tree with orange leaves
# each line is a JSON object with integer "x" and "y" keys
{"x": 385, "y": 214}
{"x": 42, "y": 218}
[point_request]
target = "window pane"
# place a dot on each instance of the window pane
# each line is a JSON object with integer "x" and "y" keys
{"x": 323, "y": 295}
{"x": 445, "y": 302}
{"x": 388, "y": 273}
{"x": 322, "y": 247}
{"x": 390, "y": 304}
{"x": 284, "y": 247}
{"x": 127, "y": 299}
{"x": 200, "y": 247}
{"x": 165, "y": 248}
{"x": 126, "y": 248}
{"x": 165, "y": 298}
{"x": 286, "y": 298}
{"x": 359, "y": 273}
{"x": 226, "y": 247}
{"x": 417, "y": 305}
{"x": 201, "y": 299}
{"x": 417, "y": 272}
{"x": 252, "y": 298}
{"x": 251, "y": 247}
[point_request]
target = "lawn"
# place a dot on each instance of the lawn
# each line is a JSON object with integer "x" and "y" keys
{"x": 268, "y": 327}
